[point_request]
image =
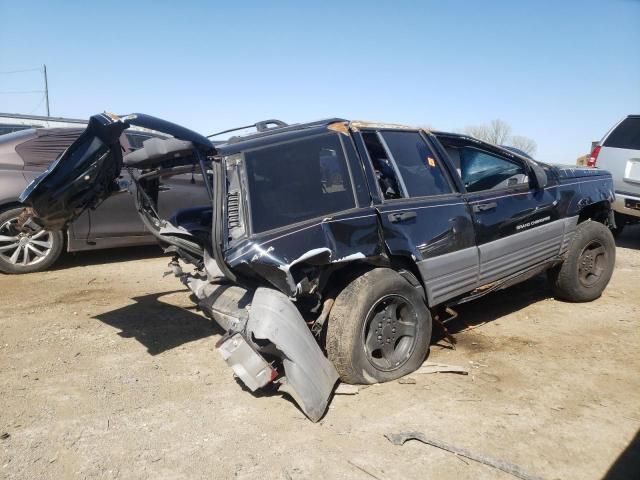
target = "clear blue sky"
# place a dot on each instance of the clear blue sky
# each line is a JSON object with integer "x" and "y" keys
{"x": 559, "y": 72}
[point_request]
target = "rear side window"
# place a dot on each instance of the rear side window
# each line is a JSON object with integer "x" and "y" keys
{"x": 297, "y": 181}
{"x": 625, "y": 135}
{"x": 419, "y": 169}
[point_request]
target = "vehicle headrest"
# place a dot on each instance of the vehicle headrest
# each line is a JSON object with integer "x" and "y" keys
{"x": 155, "y": 151}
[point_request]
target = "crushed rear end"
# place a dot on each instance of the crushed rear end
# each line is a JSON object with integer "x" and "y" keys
{"x": 267, "y": 341}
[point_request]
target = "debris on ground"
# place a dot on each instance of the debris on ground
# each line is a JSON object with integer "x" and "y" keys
{"x": 363, "y": 470}
{"x": 516, "y": 471}
{"x": 346, "y": 389}
{"x": 432, "y": 367}
{"x": 4, "y": 436}
{"x": 407, "y": 381}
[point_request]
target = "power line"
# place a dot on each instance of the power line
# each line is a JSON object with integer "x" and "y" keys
{"x": 42, "y": 70}
{"x": 20, "y": 91}
{"x": 8, "y": 72}
{"x": 38, "y": 106}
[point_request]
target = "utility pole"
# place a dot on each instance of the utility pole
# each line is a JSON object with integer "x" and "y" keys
{"x": 46, "y": 89}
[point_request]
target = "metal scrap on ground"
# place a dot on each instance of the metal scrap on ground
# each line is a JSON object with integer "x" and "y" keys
{"x": 431, "y": 367}
{"x": 400, "y": 438}
{"x": 346, "y": 389}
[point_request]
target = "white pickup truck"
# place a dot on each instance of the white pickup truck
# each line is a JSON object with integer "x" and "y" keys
{"x": 619, "y": 153}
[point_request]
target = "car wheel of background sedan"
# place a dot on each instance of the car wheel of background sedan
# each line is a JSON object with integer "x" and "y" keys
{"x": 379, "y": 328}
{"x": 26, "y": 253}
{"x": 585, "y": 273}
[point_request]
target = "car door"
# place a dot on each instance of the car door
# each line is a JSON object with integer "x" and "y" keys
{"x": 516, "y": 223}
{"x": 117, "y": 216}
{"x": 180, "y": 192}
{"x": 86, "y": 174}
{"x": 424, "y": 217}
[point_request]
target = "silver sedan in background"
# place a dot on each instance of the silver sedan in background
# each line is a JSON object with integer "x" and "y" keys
{"x": 115, "y": 223}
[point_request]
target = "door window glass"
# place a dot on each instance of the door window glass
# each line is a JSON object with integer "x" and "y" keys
{"x": 404, "y": 165}
{"x": 419, "y": 169}
{"x": 480, "y": 170}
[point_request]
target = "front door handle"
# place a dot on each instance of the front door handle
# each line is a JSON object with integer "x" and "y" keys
{"x": 483, "y": 207}
{"x": 401, "y": 217}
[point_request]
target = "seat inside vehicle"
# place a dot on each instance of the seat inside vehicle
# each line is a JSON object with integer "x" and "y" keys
{"x": 158, "y": 150}
{"x": 385, "y": 172}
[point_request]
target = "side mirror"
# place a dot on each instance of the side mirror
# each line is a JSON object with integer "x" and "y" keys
{"x": 539, "y": 176}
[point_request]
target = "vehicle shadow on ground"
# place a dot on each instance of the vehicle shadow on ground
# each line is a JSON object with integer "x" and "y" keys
{"x": 110, "y": 255}
{"x": 630, "y": 237}
{"x": 157, "y": 325}
{"x": 493, "y": 306}
{"x": 627, "y": 465}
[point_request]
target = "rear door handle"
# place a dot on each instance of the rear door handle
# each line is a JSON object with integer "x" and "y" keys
{"x": 483, "y": 207}
{"x": 401, "y": 217}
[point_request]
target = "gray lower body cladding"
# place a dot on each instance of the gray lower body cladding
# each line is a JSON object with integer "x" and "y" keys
{"x": 453, "y": 274}
{"x": 450, "y": 275}
{"x": 266, "y": 321}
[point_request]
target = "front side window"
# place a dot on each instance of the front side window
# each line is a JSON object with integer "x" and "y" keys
{"x": 297, "y": 181}
{"x": 481, "y": 170}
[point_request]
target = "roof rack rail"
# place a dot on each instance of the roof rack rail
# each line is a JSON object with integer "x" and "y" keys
{"x": 262, "y": 126}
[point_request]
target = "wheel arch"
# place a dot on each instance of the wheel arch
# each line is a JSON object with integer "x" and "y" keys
{"x": 601, "y": 211}
{"x": 9, "y": 205}
{"x": 338, "y": 279}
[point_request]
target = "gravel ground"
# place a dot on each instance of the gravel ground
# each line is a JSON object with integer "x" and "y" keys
{"x": 108, "y": 372}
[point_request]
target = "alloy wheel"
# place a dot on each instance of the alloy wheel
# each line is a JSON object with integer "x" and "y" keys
{"x": 23, "y": 249}
{"x": 390, "y": 332}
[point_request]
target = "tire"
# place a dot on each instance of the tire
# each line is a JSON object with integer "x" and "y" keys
{"x": 379, "y": 328}
{"x": 586, "y": 271}
{"x": 42, "y": 248}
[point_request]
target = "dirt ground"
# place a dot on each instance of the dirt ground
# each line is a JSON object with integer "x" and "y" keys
{"x": 106, "y": 371}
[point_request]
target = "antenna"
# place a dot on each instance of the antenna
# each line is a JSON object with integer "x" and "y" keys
{"x": 46, "y": 89}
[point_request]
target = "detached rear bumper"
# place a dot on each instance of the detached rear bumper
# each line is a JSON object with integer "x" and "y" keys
{"x": 267, "y": 341}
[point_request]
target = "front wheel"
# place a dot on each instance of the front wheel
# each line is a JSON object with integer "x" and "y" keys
{"x": 26, "y": 252}
{"x": 585, "y": 273}
{"x": 379, "y": 328}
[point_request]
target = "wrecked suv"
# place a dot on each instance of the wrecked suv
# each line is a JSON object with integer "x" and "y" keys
{"x": 327, "y": 249}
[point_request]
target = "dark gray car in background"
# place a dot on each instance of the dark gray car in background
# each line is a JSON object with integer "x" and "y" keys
{"x": 115, "y": 223}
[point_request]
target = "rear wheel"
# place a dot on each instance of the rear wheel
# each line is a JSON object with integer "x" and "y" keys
{"x": 379, "y": 328}
{"x": 26, "y": 252}
{"x": 585, "y": 273}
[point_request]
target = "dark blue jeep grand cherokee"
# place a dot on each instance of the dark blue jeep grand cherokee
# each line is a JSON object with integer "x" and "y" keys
{"x": 326, "y": 249}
